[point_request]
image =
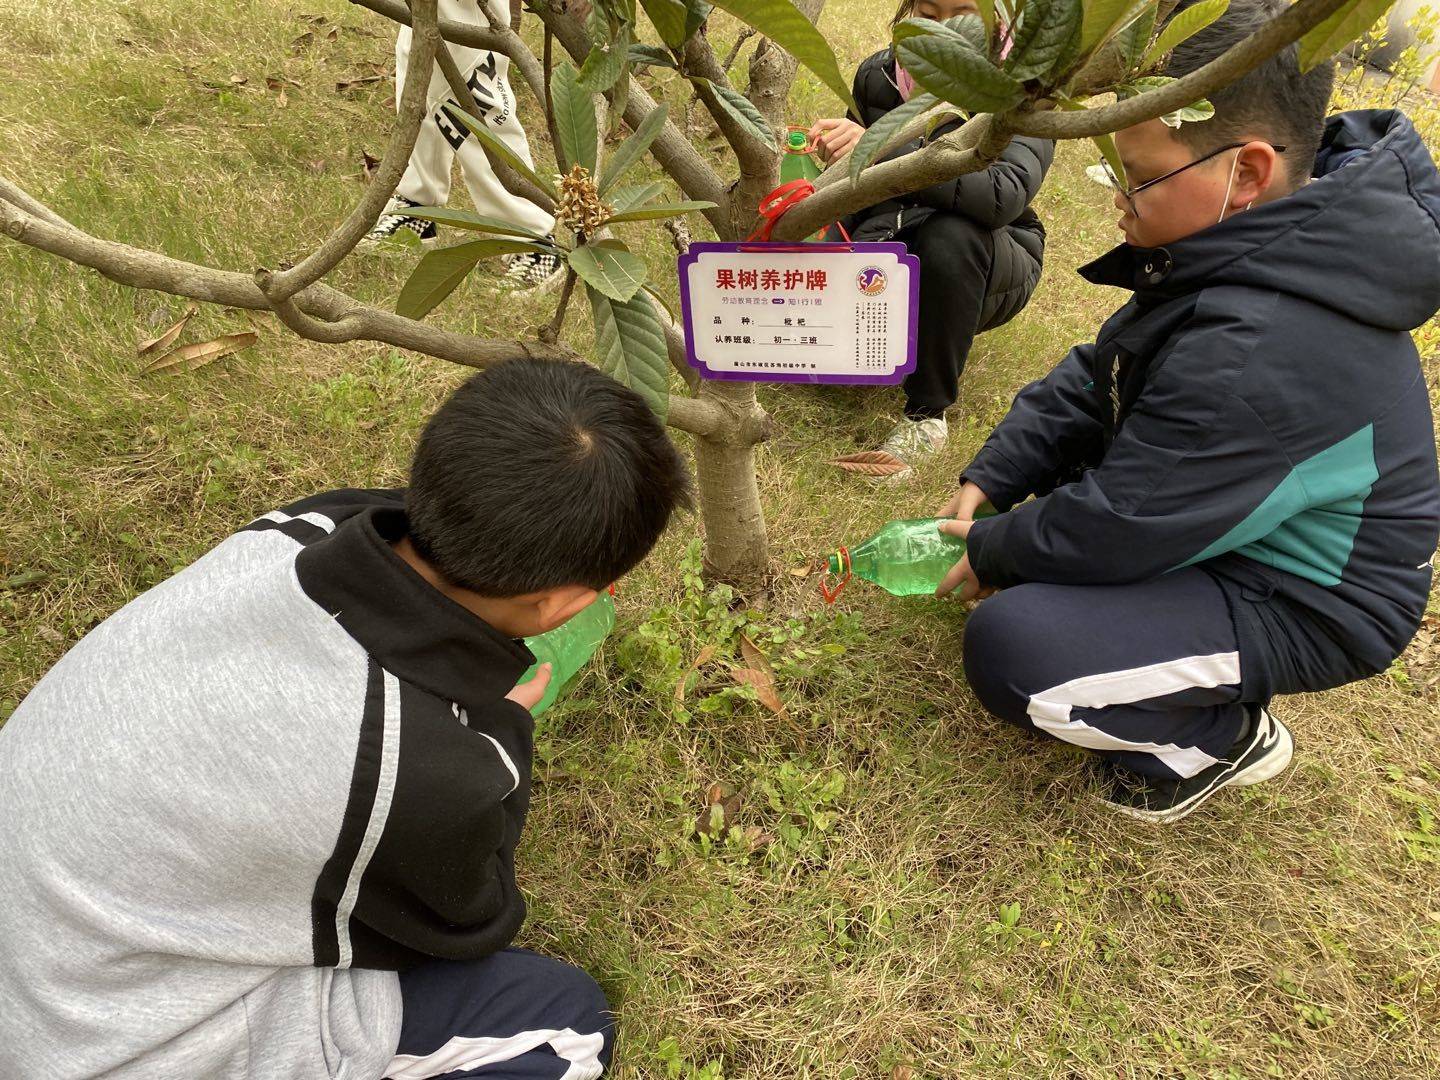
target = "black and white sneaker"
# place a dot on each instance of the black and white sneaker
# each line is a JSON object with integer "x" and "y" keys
{"x": 531, "y": 272}
{"x": 394, "y": 222}
{"x": 1261, "y": 753}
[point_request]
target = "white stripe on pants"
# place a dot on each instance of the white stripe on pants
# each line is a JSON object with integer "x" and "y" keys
{"x": 427, "y": 177}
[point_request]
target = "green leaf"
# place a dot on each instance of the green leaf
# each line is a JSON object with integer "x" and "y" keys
{"x": 436, "y": 275}
{"x": 493, "y": 144}
{"x": 782, "y": 22}
{"x": 630, "y": 346}
{"x": 609, "y": 266}
{"x": 661, "y": 210}
{"x": 741, "y": 111}
{"x": 1106, "y": 145}
{"x": 947, "y": 67}
{"x": 1185, "y": 25}
{"x": 985, "y": 11}
{"x": 1047, "y": 31}
{"x": 651, "y": 56}
{"x": 668, "y": 16}
{"x": 471, "y": 221}
{"x": 879, "y": 133}
{"x": 1339, "y": 30}
{"x": 968, "y": 28}
{"x": 626, "y": 197}
{"x": 1135, "y": 37}
{"x": 696, "y": 12}
{"x": 605, "y": 64}
{"x": 1193, "y": 113}
{"x": 655, "y": 295}
{"x": 574, "y": 118}
{"x": 631, "y": 150}
{"x": 1105, "y": 18}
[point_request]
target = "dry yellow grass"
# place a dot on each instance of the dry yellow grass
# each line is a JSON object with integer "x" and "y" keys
{"x": 852, "y": 924}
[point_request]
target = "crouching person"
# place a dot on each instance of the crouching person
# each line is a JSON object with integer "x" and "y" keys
{"x": 262, "y": 821}
{"x": 1236, "y": 483}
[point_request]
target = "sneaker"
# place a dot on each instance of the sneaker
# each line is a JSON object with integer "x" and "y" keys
{"x": 908, "y": 442}
{"x": 1260, "y": 754}
{"x": 393, "y": 220}
{"x": 531, "y": 272}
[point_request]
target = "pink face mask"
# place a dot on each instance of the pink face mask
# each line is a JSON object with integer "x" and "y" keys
{"x": 906, "y": 85}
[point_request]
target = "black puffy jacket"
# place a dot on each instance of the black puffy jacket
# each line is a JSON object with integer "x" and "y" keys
{"x": 995, "y": 198}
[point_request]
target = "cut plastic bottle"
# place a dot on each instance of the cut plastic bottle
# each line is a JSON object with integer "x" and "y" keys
{"x": 569, "y": 647}
{"x": 906, "y": 558}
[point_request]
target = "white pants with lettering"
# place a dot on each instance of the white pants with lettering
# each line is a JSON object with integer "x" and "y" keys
{"x": 441, "y": 139}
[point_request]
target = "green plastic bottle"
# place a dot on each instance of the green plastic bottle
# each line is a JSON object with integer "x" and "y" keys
{"x": 905, "y": 558}
{"x": 569, "y": 647}
{"x": 797, "y": 163}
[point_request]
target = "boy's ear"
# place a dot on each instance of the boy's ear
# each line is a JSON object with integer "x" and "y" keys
{"x": 556, "y": 606}
{"x": 1258, "y": 174}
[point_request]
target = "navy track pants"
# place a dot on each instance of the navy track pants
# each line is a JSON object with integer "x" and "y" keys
{"x": 1148, "y": 675}
{"x": 512, "y": 1016}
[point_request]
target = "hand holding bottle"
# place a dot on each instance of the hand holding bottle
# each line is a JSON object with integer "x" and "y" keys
{"x": 835, "y": 138}
{"x": 962, "y": 574}
{"x": 529, "y": 693}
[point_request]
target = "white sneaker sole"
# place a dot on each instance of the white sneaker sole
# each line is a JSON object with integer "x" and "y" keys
{"x": 1267, "y": 768}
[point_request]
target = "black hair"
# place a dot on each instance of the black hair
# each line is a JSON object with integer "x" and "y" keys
{"x": 537, "y": 474}
{"x": 1275, "y": 101}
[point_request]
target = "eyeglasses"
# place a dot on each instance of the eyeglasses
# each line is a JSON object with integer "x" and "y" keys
{"x": 1102, "y": 173}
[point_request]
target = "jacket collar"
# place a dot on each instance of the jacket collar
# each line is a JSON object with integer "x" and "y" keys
{"x": 411, "y": 629}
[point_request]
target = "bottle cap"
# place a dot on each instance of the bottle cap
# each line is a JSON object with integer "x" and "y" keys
{"x": 797, "y": 140}
{"x": 836, "y": 564}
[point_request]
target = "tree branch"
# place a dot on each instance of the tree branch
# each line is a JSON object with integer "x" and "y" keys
{"x": 1288, "y": 27}
{"x": 695, "y": 415}
{"x": 949, "y": 156}
{"x": 501, "y": 40}
{"x": 680, "y": 160}
{"x": 411, "y": 112}
{"x": 509, "y": 179}
{"x": 341, "y": 317}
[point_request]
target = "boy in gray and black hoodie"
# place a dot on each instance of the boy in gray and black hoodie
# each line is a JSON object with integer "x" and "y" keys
{"x": 261, "y": 822}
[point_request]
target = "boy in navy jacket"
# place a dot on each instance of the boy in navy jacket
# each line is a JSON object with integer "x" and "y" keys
{"x": 1236, "y": 491}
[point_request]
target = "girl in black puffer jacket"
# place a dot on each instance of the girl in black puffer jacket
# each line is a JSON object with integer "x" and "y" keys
{"x": 979, "y": 244}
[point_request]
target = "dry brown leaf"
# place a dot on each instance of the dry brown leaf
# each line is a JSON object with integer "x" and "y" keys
{"x": 333, "y": 35}
{"x": 359, "y": 80}
{"x": 758, "y": 673}
{"x": 197, "y": 355}
{"x": 706, "y": 655}
{"x": 239, "y": 80}
{"x": 764, "y": 685}
{"x": 870, "y": 463}
{"x": 902, "y": 1072}
{"x": 801, "y": 571}
{"x": 368, "y": 165}
{"x": 304, "y": 41}
{"x": 167, "y": 338}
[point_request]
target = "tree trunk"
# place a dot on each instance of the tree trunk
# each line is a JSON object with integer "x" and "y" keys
{"x": 737, "y": 545}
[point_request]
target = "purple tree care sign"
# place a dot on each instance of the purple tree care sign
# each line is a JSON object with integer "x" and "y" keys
{"x": 814, "y": 313}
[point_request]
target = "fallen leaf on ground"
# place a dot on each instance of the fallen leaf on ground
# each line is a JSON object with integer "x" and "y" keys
{"x": 201, "y": 353}
{"x": 869, "y": 463}
{"x": 758, "y": 674}
{"x": 706, "y": 655}
{"x": 359, "y": 80}
{"x": 368, "y": 165}
{"x": 167, "y": 338}
{"x": 801, "y": 571}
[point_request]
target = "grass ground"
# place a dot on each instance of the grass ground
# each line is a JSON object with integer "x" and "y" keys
{"x": 904, "y": 889}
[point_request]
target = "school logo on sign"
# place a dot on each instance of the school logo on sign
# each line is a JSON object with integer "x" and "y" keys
{"x": 871, "y": 281}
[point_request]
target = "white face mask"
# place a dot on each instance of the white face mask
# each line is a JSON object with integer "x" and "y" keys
{"x": 1229, "y": 185}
